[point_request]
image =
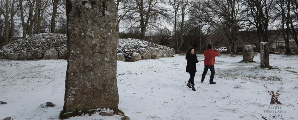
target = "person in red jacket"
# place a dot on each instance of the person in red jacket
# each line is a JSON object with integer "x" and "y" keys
{"x": 209, "y": 63}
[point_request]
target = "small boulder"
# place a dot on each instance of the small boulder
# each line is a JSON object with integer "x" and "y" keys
{"x": 50, "y": 104}
{"x": 3, "y": 103}
{"x": 125, "y": 118}
{"x": 145, "y": 53}
{"x": 120, "y": 57}
{"x": 153, "y": 52}
{"x": 23, "y": 55}
{"x": 51, "y": 54}
{"x": 62, "y": 51}
{"x": 135, "y": 57}
{"x": 13, "y": 56}
{"x": 8, "y": 118}
{"x": 106, "y": 114}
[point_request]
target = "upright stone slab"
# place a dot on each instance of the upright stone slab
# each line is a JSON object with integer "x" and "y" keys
{"x": 92, "y": 59}
{"x": 264, "y": 51}
{"x": 248, "y": 53}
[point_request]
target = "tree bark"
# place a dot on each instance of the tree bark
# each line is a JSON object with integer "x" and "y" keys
{"x": 22, "y": 18}
{"x": 176, "y": 6}
{"x": 53, "y": 23}
{"x": 294, "y": 33}
{"x": 287, "y": 41}
{"x": 183, "y": 7}
{"x": 12, "y": 14}
{"x": 37, "y": 17}
{"x": 7, "y": 22}
{"x": 30, "y": 20}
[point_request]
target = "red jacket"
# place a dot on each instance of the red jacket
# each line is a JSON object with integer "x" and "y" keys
{"x": 210, "y": 56}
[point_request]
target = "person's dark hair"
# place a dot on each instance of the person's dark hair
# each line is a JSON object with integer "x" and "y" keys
{"x": 209, "y": 46}
{"x": 188, "y": 53}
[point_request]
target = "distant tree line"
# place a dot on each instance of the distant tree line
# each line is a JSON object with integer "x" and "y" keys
{"x": 211, "y": 21}
{"x": 23, "y": 18}
{"x": 176, "y": 23}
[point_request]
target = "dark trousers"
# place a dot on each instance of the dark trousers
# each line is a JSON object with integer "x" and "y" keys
{"x": 191, "y": 78}
{"x": 211, "y": 67}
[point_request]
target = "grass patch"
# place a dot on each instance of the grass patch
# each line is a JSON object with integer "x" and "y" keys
{"x": 66, "y": 115}
{"x": 117, "y": 111}
{"x": 291, "y": 71}
{"x": 242, "y": 61}
{"x": 273, "y": 68}
{"x": 291, "y": 54}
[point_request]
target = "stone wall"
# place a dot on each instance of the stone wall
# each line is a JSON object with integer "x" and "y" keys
{"x": 53, "y": 46}
{"x": 135, "y": 49}
{"x": 39, "y": 46}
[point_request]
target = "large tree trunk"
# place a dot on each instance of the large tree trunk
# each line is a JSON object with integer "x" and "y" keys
{"x": 92, "y": 63}
{"x": 12, "y": 13}
{"x": 294, "y": 33}
{"x": 37, "y": 16}
{"x": 283, "y": 21}
{"x": 22, "y": 18}
{"x": 175, "y": 27}
{"x": 287, "y": 42}
{"x": 143, "y": 18}
{"x": 182, "y": 24}
{"x": 7, "y": 22}
{"x": 30, "y": 20}
{"x": 53, "y": 23}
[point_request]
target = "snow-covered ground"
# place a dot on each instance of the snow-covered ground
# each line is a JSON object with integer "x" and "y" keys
{"x": 156, "y": 89}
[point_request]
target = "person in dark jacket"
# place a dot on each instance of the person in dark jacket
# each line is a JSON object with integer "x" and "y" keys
{"x": 191, "y": 58}
{"x": 209, "y": 63}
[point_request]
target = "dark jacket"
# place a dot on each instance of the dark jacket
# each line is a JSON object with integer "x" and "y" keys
{"x": 191, "y": 63}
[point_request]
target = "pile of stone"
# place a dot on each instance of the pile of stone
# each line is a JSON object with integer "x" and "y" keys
{"x": 134, "y": 49}
{"x": 53, "y": 46}
{"x": 39, "y": 46}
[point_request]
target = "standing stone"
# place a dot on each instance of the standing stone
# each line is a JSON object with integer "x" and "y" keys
{"x": 264, "y": 51}
{"x": 248, "y": 53}
{"x": 92, "y": 58}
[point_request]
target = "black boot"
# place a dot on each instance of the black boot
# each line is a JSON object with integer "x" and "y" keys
{"x": 188, "y": 84}
{"x": 202, "y": 80}
{"x": 193, "y": 88}
{"x": 212, "y": 82}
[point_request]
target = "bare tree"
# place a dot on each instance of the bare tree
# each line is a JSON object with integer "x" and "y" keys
{"x": 147, "y": 11}
{"x": 287, "y": 41}
{"x": 226, "y": 17}
{"x": 260, "y": 10}
{"x": 6, "y": 15}
{"x": 2, "y": 40}
{"x": 22, "y": 19}
{"x": 183, "y": 5}
{"x": 12, "y": 14}
{"x": 294, "y": 4}
{"x": 37, "y": 16}
{"x": 30, "y": 23}
{"x": 175, "y": 5}
{"x": 55, "y": 4}
{"x": 283, "y": 12}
